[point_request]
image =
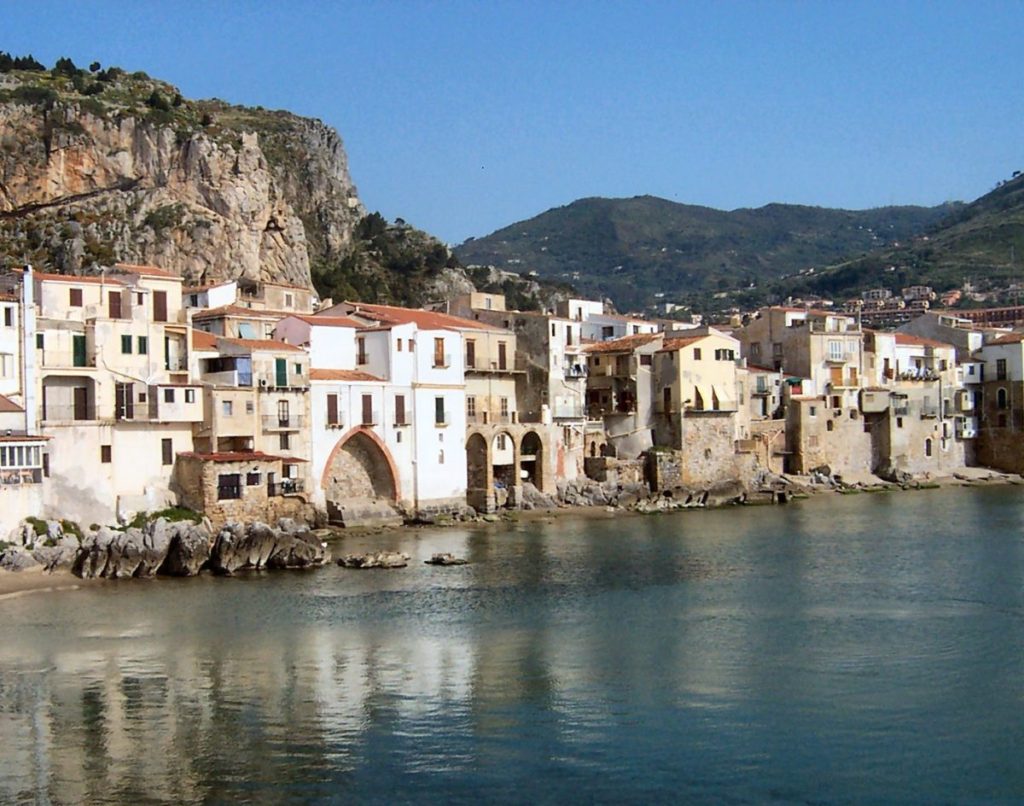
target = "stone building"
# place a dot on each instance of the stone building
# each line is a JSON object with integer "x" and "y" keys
{"x": 1001, "y": 434}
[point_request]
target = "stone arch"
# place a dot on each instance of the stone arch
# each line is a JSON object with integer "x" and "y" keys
{"x": 479, "y": 475}
{"x": 532, "y": 445}
{"x": 359, "y": 469}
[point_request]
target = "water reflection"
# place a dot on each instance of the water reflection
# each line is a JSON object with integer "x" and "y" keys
{"x": 812, "y": 652}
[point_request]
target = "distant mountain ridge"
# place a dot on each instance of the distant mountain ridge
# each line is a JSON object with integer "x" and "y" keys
{"x": 634, "y": 249}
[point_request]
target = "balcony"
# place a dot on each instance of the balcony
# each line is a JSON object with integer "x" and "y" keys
{"x": 17, "y": 476}
{"x": 840, "y": 358}
{"x": 286, "y": 487}
{"x": 575, "y": 371}
{"x": 490, "y": 418}
{"x": 69, "y": 413}
{"x": 567, "y": 411}
{"x": 967, "y": 427}
{"x": 442, "y": 361}
{"x": 65, "y": 359}
{"x": 275, "y": 422}
{"x": 929, "y": 411}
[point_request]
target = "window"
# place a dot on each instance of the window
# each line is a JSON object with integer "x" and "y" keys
{"x": 439, "y": 414}
{"x": 899, "y": 422}
{"x": 440, "y": 457}
{"x": 725, "y": 355}
{"x": 284, "y": 442}
{"x": 229, "y": 486}
{"x": 552, "y": 328}
{"x": 398, "y": 345}
{"x": 470, "y": 354}
{"x": 75, "y": 297}
{"x": 439, "y": 353}
{"x": 168, "y": 395}
{"x": 361, "y": 348}
{"x": 1001, "y": 400}
{"x": 40, "y": 342}
{"x": 504, "y": 407}
{"x": 126, "y": 345}
{"x": 1000, "y": 369}
{"x": 159, "y": 306}
{"x": 252, "y": 479}
{"x": 8, "y": 316}
{"x": 829, "y": 426}
{"x": 298, "y": 369}
{"x": 645, "y": 360}
{"x": 367, "y": 409}
{"x": 696, "y": 353}
{"x": 190, "y": 395}
{"x": 250, "y": 407}
{"x": 812, "y": 410}
{"x": 607, "y": 332}
{"x": 470, "y": 406}
{"x": 500, "y": 442}
{"x": 289, "y": 300}
{"x": 927, "y": 447}
{"x": 143, "y": 345}
{"x": 227, "y": 408}
{"x": 502, "y": 355}
{"x": 755, "y": 351}
{"x": 400, "y": 410}
{"x": 106, "y": 454}
{"x": 332, "y": 410}
{"x": 167, "y": 451}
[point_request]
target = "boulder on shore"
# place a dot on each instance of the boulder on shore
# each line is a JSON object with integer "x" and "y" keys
{"x": 258, "y": 545}
{"x": 445, "y": 558}
{"x": 377, "y": 559}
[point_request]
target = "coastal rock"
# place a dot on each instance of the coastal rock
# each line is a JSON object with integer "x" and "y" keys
{"x": 15, "y": 558}
{"x": 536, "y": 499}
{"x": 118, "y": 555}
{"x": 725, "y": 492}
{"x": 258, "y": 545}
{"x": 445, "y": 558}
{"x": 188, "y": 548}
{"x": 378, "y": 559}
{"x": 61, "y": 555}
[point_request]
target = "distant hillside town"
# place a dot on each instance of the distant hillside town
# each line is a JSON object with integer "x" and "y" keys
{"x": 125, "y": 393}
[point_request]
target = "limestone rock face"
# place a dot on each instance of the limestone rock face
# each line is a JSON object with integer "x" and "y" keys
{"x": 82, "y": 186}
{"x": 258, "y": 545}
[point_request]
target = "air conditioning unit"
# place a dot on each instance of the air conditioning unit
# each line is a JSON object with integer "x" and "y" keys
{"x": 263, "y": 383}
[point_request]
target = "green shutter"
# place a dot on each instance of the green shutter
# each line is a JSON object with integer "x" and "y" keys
{"x": 143, "y": 345}
{"x": 78, "y": 349}
{"x": 282, "y": 371}
{"x": 126, "y": 345}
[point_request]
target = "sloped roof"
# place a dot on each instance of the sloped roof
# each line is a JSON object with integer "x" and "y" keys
{"x": 8, "y": 406}
{"x": 328, "y": 321}
{"x": 76, "y": 278}
{"x": 237, "y": 456}
{"x": 201, "y": 340}
{"x": 671, "y": 345}
{"x": 147, "y": 271}
{"x": 341, "y": 375}
{"x": 1009, "y": 338}
{"x": 269, "y": 345}
{"x": 623, "y": 345}
{"x": 425, "y": 320}
{"x": 239, "y": 311}
{"x": 908, "y": 339}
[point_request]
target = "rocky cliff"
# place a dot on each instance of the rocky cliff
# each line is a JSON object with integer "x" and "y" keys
{"x": 101, "y": 167}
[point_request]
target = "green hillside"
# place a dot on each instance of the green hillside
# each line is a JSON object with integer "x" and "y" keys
{"x": 981, "y": 242}
{"x": 634, "y": 249}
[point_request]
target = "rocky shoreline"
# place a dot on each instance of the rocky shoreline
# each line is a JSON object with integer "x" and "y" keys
{"x": 60, "y": 557}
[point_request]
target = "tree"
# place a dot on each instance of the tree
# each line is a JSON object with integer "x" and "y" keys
{"x": 64, "y": 67}
{"x": 95, "y": 67}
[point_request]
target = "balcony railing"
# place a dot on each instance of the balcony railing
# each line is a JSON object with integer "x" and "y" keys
{"x": 275, "y": 422}
{"x": 575, "y": 371}
{"x": 286, "y": 487}
{"x": 59, "y": 413}
{"x": 61, "y": 359}
{"x": 442, "y": 361}
{"x": 490, "y": 418}
{"x": 929, "y": 411}
{"x": 840, "y": 358}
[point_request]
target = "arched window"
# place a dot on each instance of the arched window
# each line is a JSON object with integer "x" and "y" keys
{"x": 1001, "y": 398}
{"x": 927, "y": 447}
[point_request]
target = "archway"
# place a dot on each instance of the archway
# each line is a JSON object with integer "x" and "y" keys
{"x": 478, "y": 474}
{"x": 531, "y": 459}
{"x": 504, "y": 468}
{"x": 359, "y": 477}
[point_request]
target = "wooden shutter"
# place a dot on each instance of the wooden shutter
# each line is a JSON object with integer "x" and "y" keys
{"x": 159, "y": 306}
{"x": 332, "y": 409}
{"x": 114, "y": 304}
{"x": 367, "y": 409}
{"x": 399, "y": 409}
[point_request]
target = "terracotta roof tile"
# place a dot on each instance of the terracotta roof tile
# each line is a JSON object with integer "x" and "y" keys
{"x": 425, "y": 320}
{"x": 919, "y": 341}
{"x": 147, "y": 271}
{"x": 76, "y": 278}
{"x": 239, "y": 311}
{"x": 671, "y": 345}
{"x": 341, "y": 375}
{"x": 623, "y": 345}
{"x": 236, "y": 456}
{"x": 328, "y": 321}
{"x": 7, "y": 405}
{"x": 201, "y": 340}
{"x": 1009, "y": 338}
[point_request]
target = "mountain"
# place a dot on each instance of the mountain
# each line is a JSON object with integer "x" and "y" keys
{"x": 634, "y": 249}
{"x": 103, "y": 166}
{"x": 981, "y": 243}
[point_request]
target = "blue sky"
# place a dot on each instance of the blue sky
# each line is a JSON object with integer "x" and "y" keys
{"x": 465, "y": 117}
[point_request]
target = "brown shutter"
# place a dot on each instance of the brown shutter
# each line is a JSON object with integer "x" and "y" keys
{"x": 367, "y": 409}
{"x": 114, "y": 304}
{"x": 332, "y": 409}
{"x": 502, "y": 357}
{"x": 399, "y": 409}
{"x": 159, "y": 306}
